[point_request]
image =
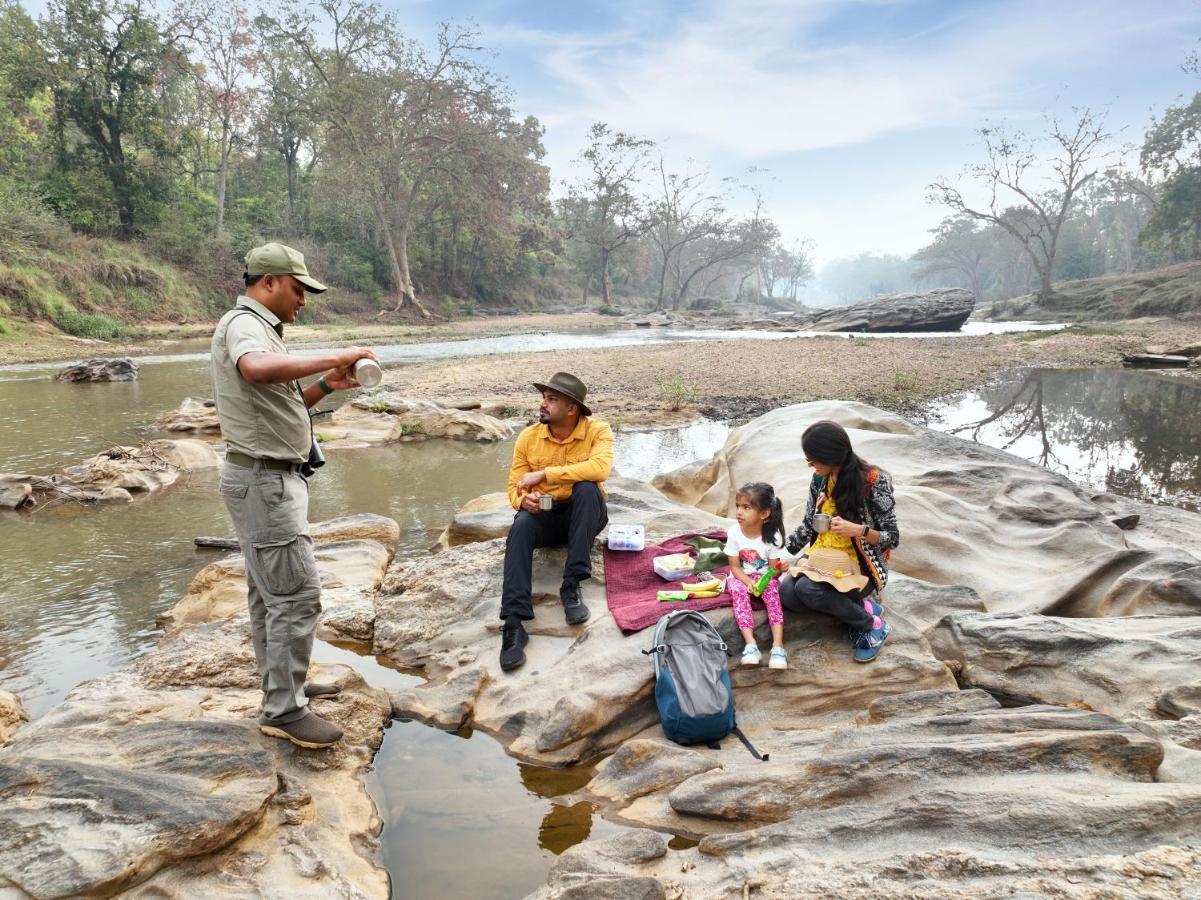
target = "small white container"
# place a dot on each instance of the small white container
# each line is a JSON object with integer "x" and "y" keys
{"x": 627, "y": 537}
{"x": 675, "y": 566}
{"x": 367, "y": 373}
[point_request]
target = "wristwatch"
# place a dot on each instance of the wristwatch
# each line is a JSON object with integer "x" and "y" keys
{"x": 325, "y": 388}
{"x": 865, "y": 530}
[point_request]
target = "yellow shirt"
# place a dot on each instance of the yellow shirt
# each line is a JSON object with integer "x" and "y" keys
{"x": 584, "y": 455}
{"x": 829, "y": 538}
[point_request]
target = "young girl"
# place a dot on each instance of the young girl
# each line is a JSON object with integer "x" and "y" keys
{"x": 753, "y": 547}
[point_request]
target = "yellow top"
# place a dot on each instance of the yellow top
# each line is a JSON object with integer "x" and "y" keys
{"x": 829, "y": 538}
{"x": 584, "y": 455}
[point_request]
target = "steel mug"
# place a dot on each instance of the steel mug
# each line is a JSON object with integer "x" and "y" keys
{"x": 821, "y": 523}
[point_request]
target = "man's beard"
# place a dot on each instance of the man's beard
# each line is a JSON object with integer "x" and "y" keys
{"x": 543, "y": 418}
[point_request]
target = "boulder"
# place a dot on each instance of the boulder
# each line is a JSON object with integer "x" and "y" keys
{"x": 481, "y": 519}
{"x": 388, "y": 419}
{"x": 16, "y": 491}
{"x": 1023, "y": 538}
{"x": 155, "y": 779}
{"x": 1128, "y": 667}
{"x": 352, "y": 554}
{"x": 12, "y": 715}
{"x": 123, "y": 369}
{"x": 586, "y": 689}
{"x": 945, "y": 309}
{"x": 115, "y": 475}
{"x": 198, "y": 416}
{"x": 954, "y": 794}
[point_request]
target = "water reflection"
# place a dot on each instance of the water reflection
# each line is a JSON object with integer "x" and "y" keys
{"x": 1136, "y": 434}
{"x": 461, "y": 815}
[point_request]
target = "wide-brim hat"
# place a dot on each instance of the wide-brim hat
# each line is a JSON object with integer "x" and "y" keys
{"x": 833, "y": 567}
{"x": 569, "y": 386}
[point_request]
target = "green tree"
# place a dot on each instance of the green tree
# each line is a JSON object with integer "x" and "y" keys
{"x": 602, "y": 208}
{"x": 1172, "y": 152}
{"x": 106, "y": 62}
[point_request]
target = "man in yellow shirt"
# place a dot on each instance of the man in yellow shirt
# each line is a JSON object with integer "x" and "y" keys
{"x": 556, "y": 484}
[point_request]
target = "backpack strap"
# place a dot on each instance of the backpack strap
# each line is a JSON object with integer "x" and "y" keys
{"x": 762, "y": 757}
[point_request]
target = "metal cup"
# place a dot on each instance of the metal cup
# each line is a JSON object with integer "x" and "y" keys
{"x": 821, "y": 522}
{"x": 545, "y": 502}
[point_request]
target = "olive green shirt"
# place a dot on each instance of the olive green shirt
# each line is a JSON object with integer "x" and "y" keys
{"x": 266, "y": 421}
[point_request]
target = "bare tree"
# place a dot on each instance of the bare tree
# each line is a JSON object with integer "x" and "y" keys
{"x": 226, "y": 48}
{"x": 603, "y": 207}
{"x": 684, "y": 212}
{"x": 1010, "y": 176}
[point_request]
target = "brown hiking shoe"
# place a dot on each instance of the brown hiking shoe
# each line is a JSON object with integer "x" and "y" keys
{"x": 321, "y": 690}
{"x": 309, "y": 731}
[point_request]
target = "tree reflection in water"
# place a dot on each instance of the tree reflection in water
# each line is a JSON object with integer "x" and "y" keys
{"x": 1132, "y": 433}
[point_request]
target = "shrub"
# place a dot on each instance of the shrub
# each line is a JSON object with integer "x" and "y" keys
{"x": 5, "y": 328}
{"x": 90, "y": 325}
{"x": 676, "y": 392}
{"x": 904, "y": 380}
{"x": 607, "y": 309}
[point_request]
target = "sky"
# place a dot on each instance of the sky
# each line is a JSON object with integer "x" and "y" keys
{"x": 851, "y": 107}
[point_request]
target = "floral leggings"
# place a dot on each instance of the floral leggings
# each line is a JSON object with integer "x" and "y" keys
{"x": 741, "y": 595}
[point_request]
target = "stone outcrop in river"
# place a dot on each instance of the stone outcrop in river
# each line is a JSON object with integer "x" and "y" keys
{"x": 92, "y": 370}
{"x": 195, "y": 415}
{"x": 114, "y": 475}
{"x": 945, "y": 309}
{"x": 155, "y": 779}
{"x": 388, "y": 419}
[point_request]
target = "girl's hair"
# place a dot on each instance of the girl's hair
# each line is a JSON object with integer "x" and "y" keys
{"x": 763, "y": 497}
{"x": 828, "y": 443}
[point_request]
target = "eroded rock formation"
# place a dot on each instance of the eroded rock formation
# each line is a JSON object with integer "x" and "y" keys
{"x": 99, "y": 369}
{"x": 945, "y": 309}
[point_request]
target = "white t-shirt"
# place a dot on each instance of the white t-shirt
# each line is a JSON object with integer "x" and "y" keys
{"x": 753, "y": 553}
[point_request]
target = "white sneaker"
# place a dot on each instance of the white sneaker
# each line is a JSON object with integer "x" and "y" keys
{"x": 778, "y": 659}
{"x": 751, "y": 655}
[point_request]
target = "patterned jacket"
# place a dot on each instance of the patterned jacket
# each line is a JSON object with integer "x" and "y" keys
{"x": 879, "y": 513}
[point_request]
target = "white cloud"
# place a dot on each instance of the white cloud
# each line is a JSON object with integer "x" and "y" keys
{"x": 767, "y": 82}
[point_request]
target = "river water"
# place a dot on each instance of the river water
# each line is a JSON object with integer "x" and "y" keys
{"x": 1132, "y": 433}
{"x": 82, "y": 588}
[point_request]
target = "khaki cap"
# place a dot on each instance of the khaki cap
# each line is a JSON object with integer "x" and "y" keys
{"x": 277, "y": 259}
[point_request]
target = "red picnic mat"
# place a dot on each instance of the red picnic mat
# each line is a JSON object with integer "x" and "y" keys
{"x": 633, "y": 585}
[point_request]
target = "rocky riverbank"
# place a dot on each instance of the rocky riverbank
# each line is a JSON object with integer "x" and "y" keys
{"x": 899, "y": 777}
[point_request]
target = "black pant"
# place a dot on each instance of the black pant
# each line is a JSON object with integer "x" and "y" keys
{"x": 575, "y": 523}
{"x": 804, "y": 595}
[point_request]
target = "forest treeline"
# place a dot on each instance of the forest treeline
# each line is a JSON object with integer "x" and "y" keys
{"x": 190, "y": 130}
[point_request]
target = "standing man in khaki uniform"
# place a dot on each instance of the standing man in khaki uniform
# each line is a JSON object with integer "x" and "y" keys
{"x": 264, "y": 416}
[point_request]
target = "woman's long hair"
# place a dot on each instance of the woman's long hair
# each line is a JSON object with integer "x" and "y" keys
{"x": 828, "y": 443}
{"x": 763, "y": 497}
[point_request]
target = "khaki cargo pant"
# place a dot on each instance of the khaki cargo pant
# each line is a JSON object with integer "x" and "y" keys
{"x": 270, "y": 510}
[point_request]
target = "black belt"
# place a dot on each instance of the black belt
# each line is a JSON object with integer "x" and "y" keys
{"x": 249, "y": 462}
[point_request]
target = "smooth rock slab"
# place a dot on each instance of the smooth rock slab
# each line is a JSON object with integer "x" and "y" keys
{"x": 156, "y": 781}
{"x": 158, "y": 792}
{"x": 352, "y": 552}
{"x": 1120, "y": 666}
{"x": 99, "y": 369}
